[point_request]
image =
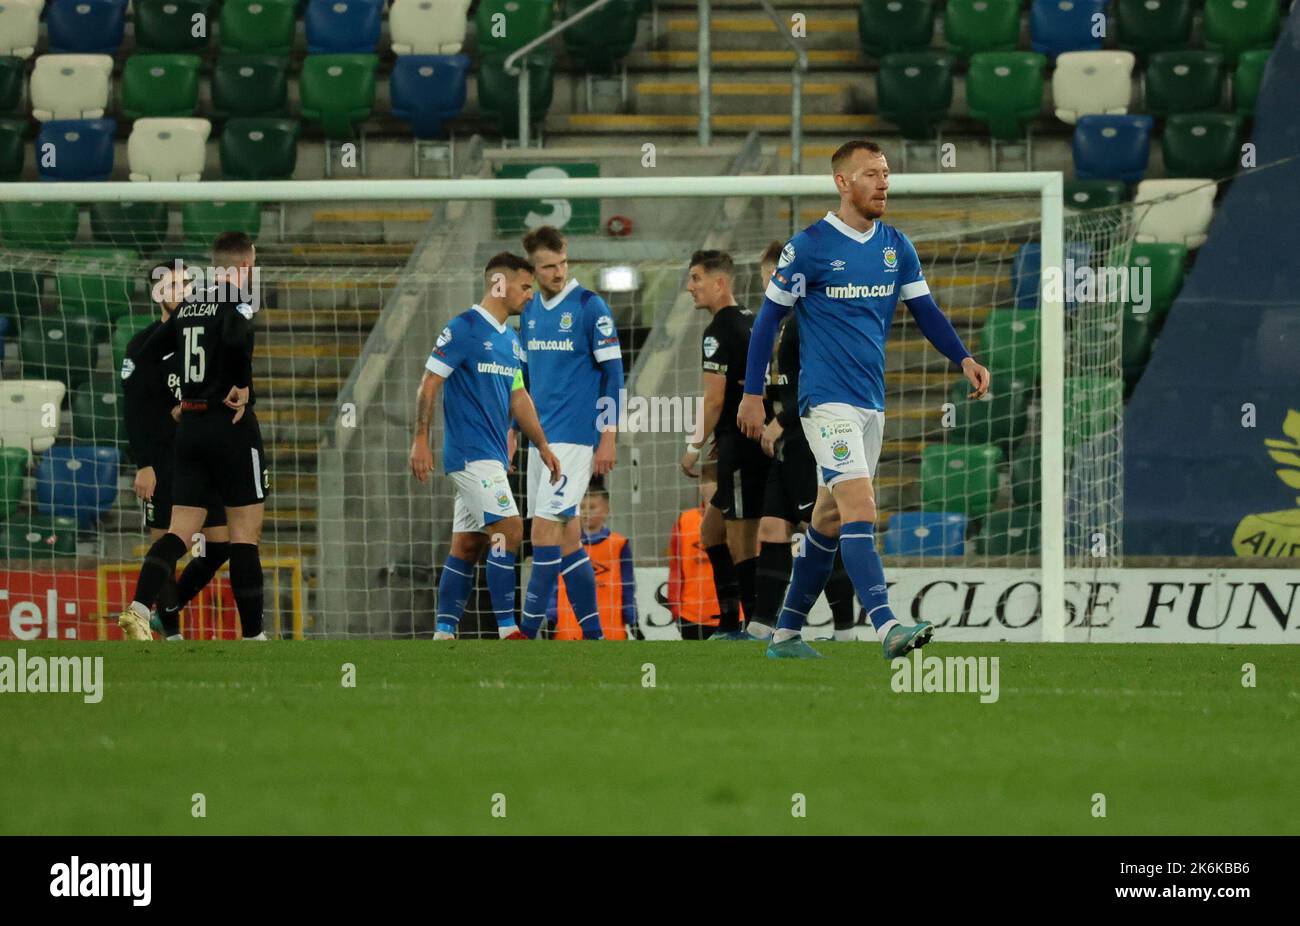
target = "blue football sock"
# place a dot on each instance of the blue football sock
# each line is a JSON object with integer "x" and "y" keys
{"x": 580, "y": 583}
{"x": 807, "y": 579}
{"x": 453, "y": 591}
{"x": 541, "y": 587}
{"x": 501, "y": 586}
{"x": 862, "y": 563}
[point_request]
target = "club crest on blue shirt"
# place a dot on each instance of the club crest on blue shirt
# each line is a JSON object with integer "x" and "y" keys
{"x": 605, "y": 325}
{"x": 566, "y": 321}
{"x": 787, "y": 256}
{"x": 519, "y": 354}
{"x": 891, "y": 258}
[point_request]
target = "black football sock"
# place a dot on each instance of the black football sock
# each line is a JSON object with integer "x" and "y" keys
{"x": 246, "y": 586}
{"x": 839, "y": 595}
{"x": 168, "y": 612}
{"x": 771, "y": 578}
{"x": 200, "y": 570}
{"x": 724, "y": 582}
{"x": 746, "y": 572}
{"x": 159, "y": 563}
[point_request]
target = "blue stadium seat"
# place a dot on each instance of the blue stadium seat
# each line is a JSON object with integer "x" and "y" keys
{"x": 82, "y": 149}
{"x": 1112, "y": 147}
{"x": 4, "y": 332}
{"x": 1056, "y": 26}
{"x": 342, "y": 27}
{"x": 77, "y": 482}
{"x": 1026, "y": 270}
{"x": 428, "y": 91}
{"x": 85, "y": 26}
{"x": 926, "y": 533}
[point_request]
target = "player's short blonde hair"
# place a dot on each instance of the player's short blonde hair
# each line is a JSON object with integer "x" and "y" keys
{"x": 850, "y": 148}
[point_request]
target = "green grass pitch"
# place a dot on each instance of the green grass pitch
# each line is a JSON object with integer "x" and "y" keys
{"x": 722, "y": 744}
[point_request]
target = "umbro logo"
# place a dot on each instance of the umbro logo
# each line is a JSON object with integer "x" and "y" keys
{"x": 837, "y": 265}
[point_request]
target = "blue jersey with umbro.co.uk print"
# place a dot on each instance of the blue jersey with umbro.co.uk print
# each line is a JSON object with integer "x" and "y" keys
{"x": 844, "y": 286}
{"x": 566, "y": 339}
{"x": 481, "y": 361}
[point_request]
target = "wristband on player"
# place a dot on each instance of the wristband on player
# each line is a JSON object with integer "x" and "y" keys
{"x": 693, "y": 447}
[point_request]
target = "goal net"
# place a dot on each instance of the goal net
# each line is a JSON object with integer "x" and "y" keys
{"x": 356, "y": 279}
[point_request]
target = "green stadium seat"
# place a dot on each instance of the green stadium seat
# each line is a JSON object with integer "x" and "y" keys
{"x": 160, "y": 86}
{"x": 1138, "y": 335}
{"x": 1234, "y": 26}
{"x": 1004, "y": 90}
{"x": 258, "y": 26}
{"x": 1026, "y": 473}
{"x": 1247, "y": 78}
{"x": 97, "y": 282}
{"x": 1146, "y": 26}
{"x": 13, "y": 148}
{"x": 1094, "y": 194}
{"x": 139, "y": 226}
{"x": 11, "y": 84}
{"x": 48, "y": 226}
{"x": 1201, "y": 144}
{"x": 250, "y": 85}
{"x": 1008, "y": 343}
{"x": 168, "y": 25}
{"x": 914, "y": 91}
{"x": 259, "y": 149}
{"x": 20, "y": 295}
{"x": 1166, "y": 263}
{"x": 1093, "y": 407}
{"x": 202, "y": 222}
{"x": 599, "y": 43}
{"x": 1183, "y": 82}
{"x": 894, "y": 25}
{"x": 13, "y": 469}
{"x": 505, "y": 25}
{"x": 1013, "y": 532}
{"x": 97, "y": 412}
{"x": 38, "y": 537}
{"x": 960, "y": 477}
{"x": 498, "y": 92}
{"x": 338, "y": 91}
{"x": 971, "y": 26}
{"x": 124, "y": 329}
{"x": 1000, "y": 416}
{"x": 59, "y": 346}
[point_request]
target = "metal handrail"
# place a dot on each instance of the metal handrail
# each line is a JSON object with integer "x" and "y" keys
{"x": 512, "y": 68}
{"x": 797, "y": 71}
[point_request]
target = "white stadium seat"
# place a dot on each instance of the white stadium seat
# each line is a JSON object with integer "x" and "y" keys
{"x": 1092, "y": 83}
{"x": 71, "y": 86}
{"x": 168, "y": 149}
{"x": 29, "y": 413}
{"x": 1179, "y": 211}
{"x": 428, "y": 27}
{"x": 20, "y": 25}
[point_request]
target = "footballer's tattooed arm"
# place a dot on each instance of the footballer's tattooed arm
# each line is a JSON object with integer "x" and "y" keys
{"x": 425, "y": 399}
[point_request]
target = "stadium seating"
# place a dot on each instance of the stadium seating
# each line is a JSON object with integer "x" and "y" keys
{"x": 77, "y": 482}
{"x": 971, "y": 26}
{"x": 1094, "y": 194}
{"x": 1165, "y": 263}
{"x": 1004, "y": 90}
{"x": 13, "y": 470}
{"x": 38, "y": 537}
{"x": 70, "y": 86}
{"x": 86, "y": 26}
{"x": 31, "y": 413}
{"x": 12, "y": 71}
{"x": 999, "y": 417}
{"x": 342, "y": 27}
{"x": 925, "y": 533}
{"x": 257, "y": 26}
{"x": 76, "y": 149}
{"x": 1008, "y": 343}
{"x": 59, "y": 346}
{"x": 1146, "y": 26}
{"x": 160, "y": 86}
{"x": 140, "y": 226}
{"x": 1026, "y": 473}
{"x": 13, "y": 148}
{"x": 1176, "y": 212}
{"x": 1093, "y": 407}
{"x": 914, "y": 91}
{"x": 1201, "y": 144}
{"x": 48, "y": 226}
{"x": 168, "y": 25}
{"x": 1057, "y": 26}
{"x": 1184, "y": 82}
{"x": 1247, "y": 78}
{"x": 97, "y": 413}
{"x": 427, "y": 27}
{"x": 498, "y": 92}
{"x": 894, "y": 25}
{"x": 598, "y": 43}
{"x": 1088, "y": 83}
{"x": 168, "y": 149}
{"x": 250, "y": 85}
{"x": 1026, "y": 271}
{"x": 1013, "y": 532}
{"x": 97, "y": 282}
{"x": 1112, "y": 147}
{"x": 20, "y": 25}
{"x": 428, "y": 91}
{"x": 1138, "y": 335}
{"x": 502, "y": 26}
{"x": 126, "y": 327}
{"x": 958, "y": 477}
{"x": 337, "y": 91}
{"x": 1234, "y": 26}
{"x": 202, "y": 222}
{"x": 259, "y": 149}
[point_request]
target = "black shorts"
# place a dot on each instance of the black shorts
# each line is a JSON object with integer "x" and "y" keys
{"x": 742, "y": 478}
{"x": 158, "y": 510}
{"x": 791, "y": 484}
{"x": 216, "y": 459}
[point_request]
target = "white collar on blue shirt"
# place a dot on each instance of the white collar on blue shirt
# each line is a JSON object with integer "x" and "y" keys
{"x": 848, "y": 231}
{"x": 559, "y": 297}
{"x": 501, "y": 329}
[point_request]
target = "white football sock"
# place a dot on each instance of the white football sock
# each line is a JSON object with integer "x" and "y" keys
{"x": 848, "y": 635}
{"x": 781, "y": 634}
{"x": 505, "y": 630}
{"x": 883, "y": 631}
{"x": 260, "y": 636}
{"x": 761, "y": 631}
{"x": 176, "y": 636}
